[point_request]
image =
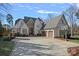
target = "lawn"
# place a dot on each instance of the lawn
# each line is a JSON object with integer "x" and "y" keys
{"x": 75, "y": 40}
{"x": 6, "y": 48}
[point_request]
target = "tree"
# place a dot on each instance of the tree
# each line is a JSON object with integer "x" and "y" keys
{"x": 1, "y": 29}
{"x": 4, "y": 9}
{"x": 50, "y": 16}
{"x": 70, "y": 12}
{"x": 77, "y": 14}
{"x": 9, "y": 19}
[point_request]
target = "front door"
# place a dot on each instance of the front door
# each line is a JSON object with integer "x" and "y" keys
{"x": 31, "y": 31}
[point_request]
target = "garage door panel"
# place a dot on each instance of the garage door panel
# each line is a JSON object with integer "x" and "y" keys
{"x": 50, "y": 34}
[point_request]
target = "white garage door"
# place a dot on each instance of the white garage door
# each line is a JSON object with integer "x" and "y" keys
{"x": 50, "y": 34}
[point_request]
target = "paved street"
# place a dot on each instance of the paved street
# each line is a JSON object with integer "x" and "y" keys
{"x": 40, "y": 46}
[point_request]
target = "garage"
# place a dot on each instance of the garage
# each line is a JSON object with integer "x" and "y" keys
{"x": 50, "y": 33}
{"x": 55, "y": 26}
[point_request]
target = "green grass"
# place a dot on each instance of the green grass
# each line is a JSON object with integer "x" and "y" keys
{"x": 75, "y": 40}
{"x": 6, "y": 48}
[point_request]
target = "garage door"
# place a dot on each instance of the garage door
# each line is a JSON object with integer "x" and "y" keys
{"x": 50, "y": 34}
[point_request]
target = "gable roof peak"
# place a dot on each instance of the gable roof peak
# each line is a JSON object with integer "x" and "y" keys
{"x": 54, "y": 21}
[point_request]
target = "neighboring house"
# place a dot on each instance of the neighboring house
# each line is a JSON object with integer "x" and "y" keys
{"x": 21, "y": 28}
{"x": 38, "y": 26}
{"x": 28, "y": 26}
{"x": 56, "y": 27}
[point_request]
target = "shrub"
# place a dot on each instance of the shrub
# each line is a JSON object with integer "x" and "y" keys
{"x": 38, "y": 34}
{"x": 6, "y": 38}
{"x": 18, "y": 34}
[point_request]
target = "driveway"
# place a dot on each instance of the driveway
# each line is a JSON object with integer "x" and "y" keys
{"x": 40, "y": 46}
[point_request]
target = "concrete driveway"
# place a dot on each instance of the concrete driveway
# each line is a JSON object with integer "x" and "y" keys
{"x": 40, "y": 46}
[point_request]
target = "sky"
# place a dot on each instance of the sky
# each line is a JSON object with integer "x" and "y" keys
{"x": 19, "y": 10}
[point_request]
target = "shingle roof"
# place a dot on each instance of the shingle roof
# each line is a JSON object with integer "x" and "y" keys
{"x": 18, "y": 20}
{"x": 53, "y": 22}
{"x": 26, "y": 18}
